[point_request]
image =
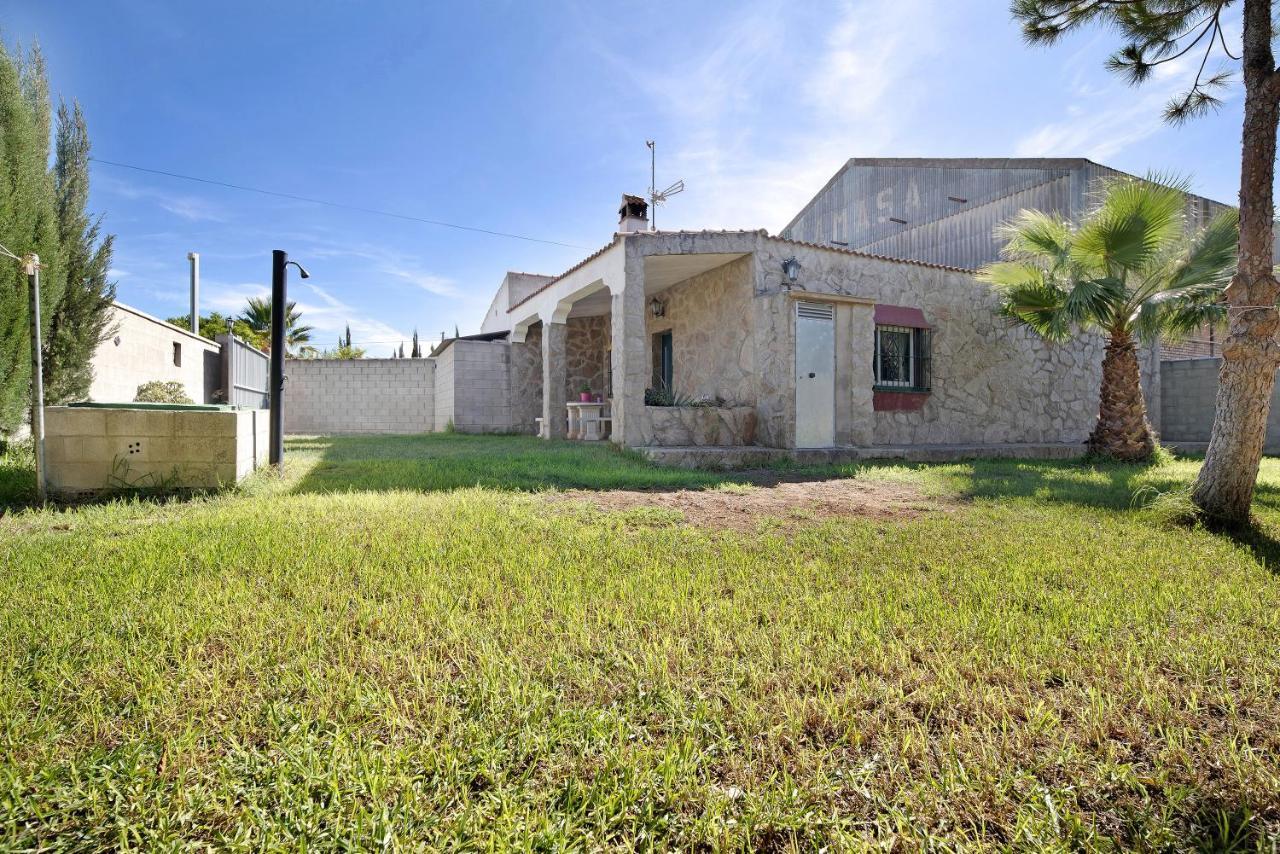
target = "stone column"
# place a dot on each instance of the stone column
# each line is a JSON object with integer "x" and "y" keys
{"x": 555, "y": 375}
{"x": 855, "y": 374}
{"x": 631, "y": 366}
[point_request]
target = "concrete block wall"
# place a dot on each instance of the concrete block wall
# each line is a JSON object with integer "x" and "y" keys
{"x": 1188, "y": 395}
{"x": 481, "y": 386}
{"x": 360, "y": 396}
{"x": 91, "y": 450}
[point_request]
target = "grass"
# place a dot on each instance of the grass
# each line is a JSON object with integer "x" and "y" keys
{"x": 400, "y": 644}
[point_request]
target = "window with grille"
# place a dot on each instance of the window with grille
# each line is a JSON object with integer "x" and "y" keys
{"x": 901, "y": 358}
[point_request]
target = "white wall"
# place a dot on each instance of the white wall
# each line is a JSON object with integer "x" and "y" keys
{"x": 142, "y": 349}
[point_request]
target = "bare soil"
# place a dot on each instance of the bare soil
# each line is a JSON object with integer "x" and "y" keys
{"x": 766, "y": 496}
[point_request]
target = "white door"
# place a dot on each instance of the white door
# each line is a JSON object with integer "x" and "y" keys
{"x": 815, "y": 375}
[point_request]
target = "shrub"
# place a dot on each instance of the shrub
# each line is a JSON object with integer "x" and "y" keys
{"x": 158, "y": 391}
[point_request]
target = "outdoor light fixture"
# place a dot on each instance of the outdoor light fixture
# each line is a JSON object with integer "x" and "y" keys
{"x": 658, "y": 307}
{"x": 790, "y": 269}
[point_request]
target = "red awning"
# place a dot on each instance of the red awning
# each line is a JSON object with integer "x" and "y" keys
{"x": 900, "y": 315}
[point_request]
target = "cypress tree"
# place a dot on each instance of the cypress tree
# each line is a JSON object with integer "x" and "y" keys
{"x": 28, "y": 223}
{"x": 416, "y": 353}
{"x": 80, "y": 321}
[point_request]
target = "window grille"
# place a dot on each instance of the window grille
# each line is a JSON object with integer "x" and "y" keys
{"x": 902, "y": 358}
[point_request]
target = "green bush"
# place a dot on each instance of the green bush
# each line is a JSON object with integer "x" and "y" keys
{"x": 158, "y": 391}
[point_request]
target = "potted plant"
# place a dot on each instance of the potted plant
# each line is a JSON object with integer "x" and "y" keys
{"x": 584, "y": 393}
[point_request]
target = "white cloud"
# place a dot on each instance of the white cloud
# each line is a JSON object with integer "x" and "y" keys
{"x": 188, "y": 207}
{"x": 766, "y": 118}
{"x": 397, "y": 265}
{"x": 330, "y": 317}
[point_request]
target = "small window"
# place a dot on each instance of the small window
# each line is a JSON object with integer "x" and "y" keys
{"x": 902, "y": 358}
{"x": 177, "y": 354}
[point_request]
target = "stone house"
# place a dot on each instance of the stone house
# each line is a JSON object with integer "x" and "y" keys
{"x": 860, "y": 330}
{"x": 784, "y": 344}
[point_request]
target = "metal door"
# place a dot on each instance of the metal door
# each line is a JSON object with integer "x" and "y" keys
{"x": 815, "y": 375}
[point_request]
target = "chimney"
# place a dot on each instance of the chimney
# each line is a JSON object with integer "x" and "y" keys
{"x": 633, "y": 215}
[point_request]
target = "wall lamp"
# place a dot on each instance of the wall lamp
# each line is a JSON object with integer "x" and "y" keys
{"x": 791, "y": 270}
{"x": 657, "y": 307}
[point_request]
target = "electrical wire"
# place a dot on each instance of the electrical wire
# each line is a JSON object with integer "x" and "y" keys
{"x": 5, "y": 250}
{"x": 341, "y": 205}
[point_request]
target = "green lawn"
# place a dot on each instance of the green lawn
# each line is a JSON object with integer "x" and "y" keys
{"x": 402, "y": 644}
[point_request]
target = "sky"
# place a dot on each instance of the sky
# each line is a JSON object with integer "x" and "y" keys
{"x": 530, "y": 118}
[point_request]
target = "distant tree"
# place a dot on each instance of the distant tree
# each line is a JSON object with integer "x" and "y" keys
{"x": 257, "y": 319}
{"x": 1161, "y": 31}
{"x": 401, "y": 349}
{"x": 81, "y": 320}
{"x": 215, "y": 323}
{"x": 1127, "y": 270}
{"x": 416, "y": 353}
{"x": 28, "y": 223}
{"x": 347, "y": 341}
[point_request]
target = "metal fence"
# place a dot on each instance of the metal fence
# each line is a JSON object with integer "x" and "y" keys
{"x": 245, "y": 371}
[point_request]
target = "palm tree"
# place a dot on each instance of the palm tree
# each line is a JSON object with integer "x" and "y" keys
{"x": 1130, "y": 271}
{"x": 257, "y": 316}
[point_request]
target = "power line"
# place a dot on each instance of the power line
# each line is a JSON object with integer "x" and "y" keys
{"x": 340, "y": 205}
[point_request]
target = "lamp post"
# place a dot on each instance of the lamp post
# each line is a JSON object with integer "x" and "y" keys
{"x": 279, "y": 312}
{"x": 31, "y": 265}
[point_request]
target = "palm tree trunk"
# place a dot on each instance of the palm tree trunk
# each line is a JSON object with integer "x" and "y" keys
{"x": 1250, "y": 355}
{"x": 1122, "y": 432}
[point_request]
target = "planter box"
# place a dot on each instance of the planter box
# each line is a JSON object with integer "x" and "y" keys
{"x": 100, "y": 448}
{"x": 682, "y": 426}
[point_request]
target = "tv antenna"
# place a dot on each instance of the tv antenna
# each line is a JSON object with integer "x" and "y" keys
{"x": 655, "y": 197}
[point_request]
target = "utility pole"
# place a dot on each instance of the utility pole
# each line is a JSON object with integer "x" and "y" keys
{"x": 31, "y": 264}
{"x": 653, "y": 183}
{"x": 194, "y": 258}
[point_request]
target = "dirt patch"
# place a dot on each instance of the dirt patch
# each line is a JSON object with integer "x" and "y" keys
{"x": 792, "y": 502}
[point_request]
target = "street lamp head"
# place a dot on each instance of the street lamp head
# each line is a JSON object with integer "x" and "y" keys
{"x": 302, "y": 271}
{"x": 791, "y": 269}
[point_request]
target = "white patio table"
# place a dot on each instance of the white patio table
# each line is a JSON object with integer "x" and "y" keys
{"x": 585, "y": 420}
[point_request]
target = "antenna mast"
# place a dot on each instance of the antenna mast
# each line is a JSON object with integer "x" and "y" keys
{"x": 656, "y": 198}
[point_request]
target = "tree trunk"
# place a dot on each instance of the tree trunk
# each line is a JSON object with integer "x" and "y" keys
{"x": 1250, "y": 354}
{"x": 1122, "y": 432}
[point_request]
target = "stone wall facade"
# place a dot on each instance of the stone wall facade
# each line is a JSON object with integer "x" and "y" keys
{"x": 586, "y": 353}
{"x": 144, "y": 348}
{"x": 710, "y": 320}
{"x": 359, "y": 396}
{"x": 679, "y": 426}
{"x": 526, "y": 381}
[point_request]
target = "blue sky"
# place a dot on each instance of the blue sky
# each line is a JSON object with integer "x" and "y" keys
{"x": 531, "y": 118}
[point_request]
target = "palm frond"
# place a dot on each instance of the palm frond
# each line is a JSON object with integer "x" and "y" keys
{"x": 1135, "y": 221}
{"x": 1029, "y": 297}
{"x": 1036, "y": 235}
{"x": 1211, "y": 256}
{"x": 1094, "y": 300}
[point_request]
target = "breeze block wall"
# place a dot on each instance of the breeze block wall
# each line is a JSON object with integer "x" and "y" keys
{"x": 360, "y": 396}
